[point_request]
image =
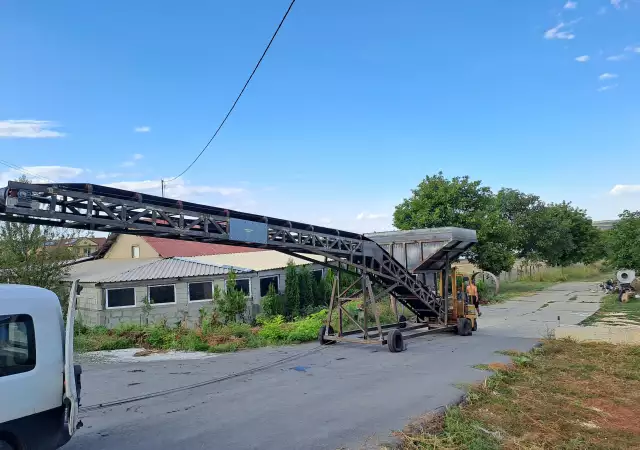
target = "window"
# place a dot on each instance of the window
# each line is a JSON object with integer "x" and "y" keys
{"x": 87, "y": 251}
{"x": 243, "y": 285}
{"x": 200, "y": 291}
{"x": 265, "y": 282}
{"x": 17, "y": 344}
{"x": 162, "y": 294}
{"x": 121, "y": 298}
{"x": 317, "y": 274}
{"x": 135, "y": 251}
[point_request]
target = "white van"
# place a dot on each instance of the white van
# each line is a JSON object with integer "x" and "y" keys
{"x": 39, "y": 384}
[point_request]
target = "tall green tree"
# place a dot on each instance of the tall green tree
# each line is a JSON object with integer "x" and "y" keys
{"x": 461, "y": 202}
{"x": 624, "y": 241}
{"x": 523, "y": 212}
{"x": 232, "y": 302}
{"x": 291, "y": 290}
{"x": 567, "y": 235}
{"x": 306, "y": 282}
{"x": 440, "y": 202}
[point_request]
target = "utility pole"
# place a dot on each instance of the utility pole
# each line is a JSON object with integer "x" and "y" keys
{"x": 162, "y": 187}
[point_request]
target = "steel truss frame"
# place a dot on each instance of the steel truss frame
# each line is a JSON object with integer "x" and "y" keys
{"x": 100, "y": 208}
{"x": 363, "y": 334}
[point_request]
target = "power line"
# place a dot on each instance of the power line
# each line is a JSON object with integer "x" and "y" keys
{"x": 23, "y": 170}
{"x": 239, "y": 95}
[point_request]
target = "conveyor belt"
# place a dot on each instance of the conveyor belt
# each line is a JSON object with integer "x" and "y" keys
{"x": 101, "y": 208}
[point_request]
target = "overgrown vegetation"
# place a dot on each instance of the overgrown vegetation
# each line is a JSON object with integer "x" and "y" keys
{"x": 210, "y": 335}
{"x": 510, "y": 224}
{"x": 563, "y": 395}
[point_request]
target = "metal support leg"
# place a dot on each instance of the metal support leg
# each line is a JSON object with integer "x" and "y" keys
{"x": 376, "y": 313}
{"x": 333, "y": 296}
{"x": 364, "y": 305}
{"x": 340, "y": 321}
{"x": 446, "y": 290}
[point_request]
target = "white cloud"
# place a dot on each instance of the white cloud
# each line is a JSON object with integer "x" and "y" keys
{"x": 570, "y": 5}
{"x": 583, "y": 58}
{"x": 607, "y": 88}
{"x": 633, "y": 48}
{"x": 619, "y": 189}
{"x": 558, "y": 33}
{"x": 616, "y": 3}
{"x": 370, "y": 216}
{"x": 132, "y": 162}
{"x": 144, "y": 129}
{"x": 616, "y": 57}
{"x": 177, "y": 189}
{"x": 105, "y": 175}
{"x": 29, "y": 129}
{"x": 41, "y": 174}
{"x": 608, "y": 76}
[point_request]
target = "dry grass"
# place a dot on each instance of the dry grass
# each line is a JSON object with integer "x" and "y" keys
{"x": 564, "y": 395}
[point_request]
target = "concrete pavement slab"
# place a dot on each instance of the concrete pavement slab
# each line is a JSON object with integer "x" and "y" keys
{"x": 337, "y": 397}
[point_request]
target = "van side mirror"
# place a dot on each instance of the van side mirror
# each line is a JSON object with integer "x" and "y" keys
{"x": 78, "y": 289}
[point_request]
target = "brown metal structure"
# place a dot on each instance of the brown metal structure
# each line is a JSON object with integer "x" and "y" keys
{"x": 102, "y": 208}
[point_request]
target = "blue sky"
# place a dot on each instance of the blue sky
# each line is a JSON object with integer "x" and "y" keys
{"x": 356, "y": 102}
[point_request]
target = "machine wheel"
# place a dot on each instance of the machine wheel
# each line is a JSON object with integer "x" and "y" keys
{"x": 321, "y": 338}
{"x": 402, "y": 320}
{"x": 464, "y": 327}
{"x": 395, "y": 342}
{"x": 475, "y": 325}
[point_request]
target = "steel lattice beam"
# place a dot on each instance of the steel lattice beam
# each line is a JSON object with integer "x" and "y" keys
{"x": 100, "y": 208}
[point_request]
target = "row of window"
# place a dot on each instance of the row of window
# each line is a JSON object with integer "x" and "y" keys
{"x": 198, "y": 292}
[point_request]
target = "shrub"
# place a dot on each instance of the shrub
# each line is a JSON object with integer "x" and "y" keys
{"x": 232, "y": 301}
{"x": 272, "y": 303}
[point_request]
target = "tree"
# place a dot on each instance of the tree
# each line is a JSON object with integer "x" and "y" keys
{"x": 566, "y": 235}
{"x": 272, "y": 303}
{"x": 439, "y": 202}
{"x": 460, "y": 202}
{"x": 35, "y": 255}
{"x": 624, "y": 241}
{"x": 232, "y": 302}
{"x": 292, "y": 290}
{"x": 523, "y": 212}
{"x": 307, "y": 282}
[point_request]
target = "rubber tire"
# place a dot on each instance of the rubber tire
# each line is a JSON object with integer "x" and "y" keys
{"x": 395, "y": 341}
{"x": 321, "y": 338}
{"x": 468, "y": 327}
{"x": 475, "y": 325}
{"x": 464, "y": 327}
{"x": 402, "y": 320}
{"x": 460, "y": 327}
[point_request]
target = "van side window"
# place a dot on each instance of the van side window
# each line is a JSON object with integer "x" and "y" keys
{"x": 17, "y": 344}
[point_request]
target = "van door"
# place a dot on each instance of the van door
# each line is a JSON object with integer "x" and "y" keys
{"x": 70, "y": 392}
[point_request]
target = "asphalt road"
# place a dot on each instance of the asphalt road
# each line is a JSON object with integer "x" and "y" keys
{"x": 339, "y": 396}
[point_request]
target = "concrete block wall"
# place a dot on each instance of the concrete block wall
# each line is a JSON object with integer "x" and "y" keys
{"x": 172, "y": 312}
{"x": 93, "y": 311}
{"x": 90, "y": 305}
